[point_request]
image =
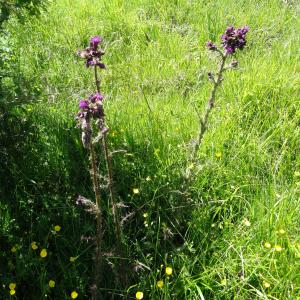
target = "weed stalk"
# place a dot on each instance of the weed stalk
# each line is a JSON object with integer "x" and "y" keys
{"x": 116, "y": 219}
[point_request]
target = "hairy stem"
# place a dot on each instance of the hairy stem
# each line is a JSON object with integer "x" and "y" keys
{"x": 98, "y": 223}
{"x": 210, "y": 105}
{"x": 122, "y": 274}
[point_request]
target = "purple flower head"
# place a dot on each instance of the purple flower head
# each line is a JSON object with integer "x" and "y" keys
{"x": 95, "y": 41}
{"x": 92, "y": 54}
{"x": 211, "y": 46}
{"x": 97, "y": 97}
{"x": 83, "y": 104}
{"x": 229, "y": 49}
{"x": 229, "y": 30}
{"x": 234, "y": 39}
{"x": 90, "y": 62}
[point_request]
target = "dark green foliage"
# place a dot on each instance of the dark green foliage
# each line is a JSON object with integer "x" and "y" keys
{"x": 20, "y": 7}
{"x": 157, "y": 69}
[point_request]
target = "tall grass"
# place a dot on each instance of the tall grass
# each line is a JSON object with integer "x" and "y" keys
{"x": 247, "y": 186}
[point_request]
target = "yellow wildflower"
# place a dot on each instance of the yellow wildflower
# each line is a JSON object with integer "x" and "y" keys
{"x": 266, "y": 284}
{"x": 43, "y": 253}
{"x": 191, "y": 166}
{"x": 218, "y": 154}
{"x": 278, "y": 248}
{"x": 74, "y": 295}
{"x": 136, "y": 191}
{"x": 223, "y": 281}
{"x": 57, "y": 228}
{"x": 145, "y": 215}
{"x": 72, "y": 259}
{"x": 160, "y": 284}
{"x": 139, "y": 295}
{"x": 267, "y": 245}
{"x": 34, "y": 246}
{"x": 12, "y": 292}
{"x": 281, "y": 231}
{"x": 12, "y": 286}
{"x": 169, "y": 271}
{"x": 13, "y": 249}
{"x": 52, "y": 283}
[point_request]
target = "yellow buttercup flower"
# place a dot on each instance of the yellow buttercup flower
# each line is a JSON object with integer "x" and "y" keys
{"x": 267, "y": 245}
{"x": 74, "y": 295}
{"x": 136, "y": 191}
{"x": 43, "y": 253}
{"x": 191, "y": 166}
{"x": 218, "y": 154}
{"x": 51, "y": 283}
{"x": 266, "y": 284}
{"x": 139, "y": 295}
{"x": 12, "y": 286}
{"x": 72, "y": 259}
{"x": 278, "y": 248}
{"x": 57, "y": 228}
{"x": 169, "y": 271}
{"x": 12, "y": 292}
{"x": 223, "y": 281}
{"x": 34, "y": 246}
{"x": 160, "y": 284}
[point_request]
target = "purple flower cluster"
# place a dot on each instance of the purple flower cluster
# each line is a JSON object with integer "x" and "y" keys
{"x": 92, "y": 54}
{"x": 91, "y": 108}
{"x": 234, "y": 39}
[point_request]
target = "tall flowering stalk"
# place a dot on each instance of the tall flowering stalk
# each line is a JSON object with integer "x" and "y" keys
{"x": 91, "y": 117}
{"x": 232, "y": 40}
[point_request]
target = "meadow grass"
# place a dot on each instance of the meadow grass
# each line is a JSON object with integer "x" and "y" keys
{"x": 245, "y": 194}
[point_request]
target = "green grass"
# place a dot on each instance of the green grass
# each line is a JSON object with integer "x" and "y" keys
{"x": 157, "y": 68}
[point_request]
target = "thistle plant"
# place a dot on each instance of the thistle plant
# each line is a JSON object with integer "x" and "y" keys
{"x": 231, "y": 41}
{"x": 91, "y": 119}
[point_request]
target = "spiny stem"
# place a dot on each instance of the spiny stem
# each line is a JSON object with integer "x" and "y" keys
{"x": 98, "y": 221}
{"x": 122, "y": 274}
{"x": 210, "y": 105}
